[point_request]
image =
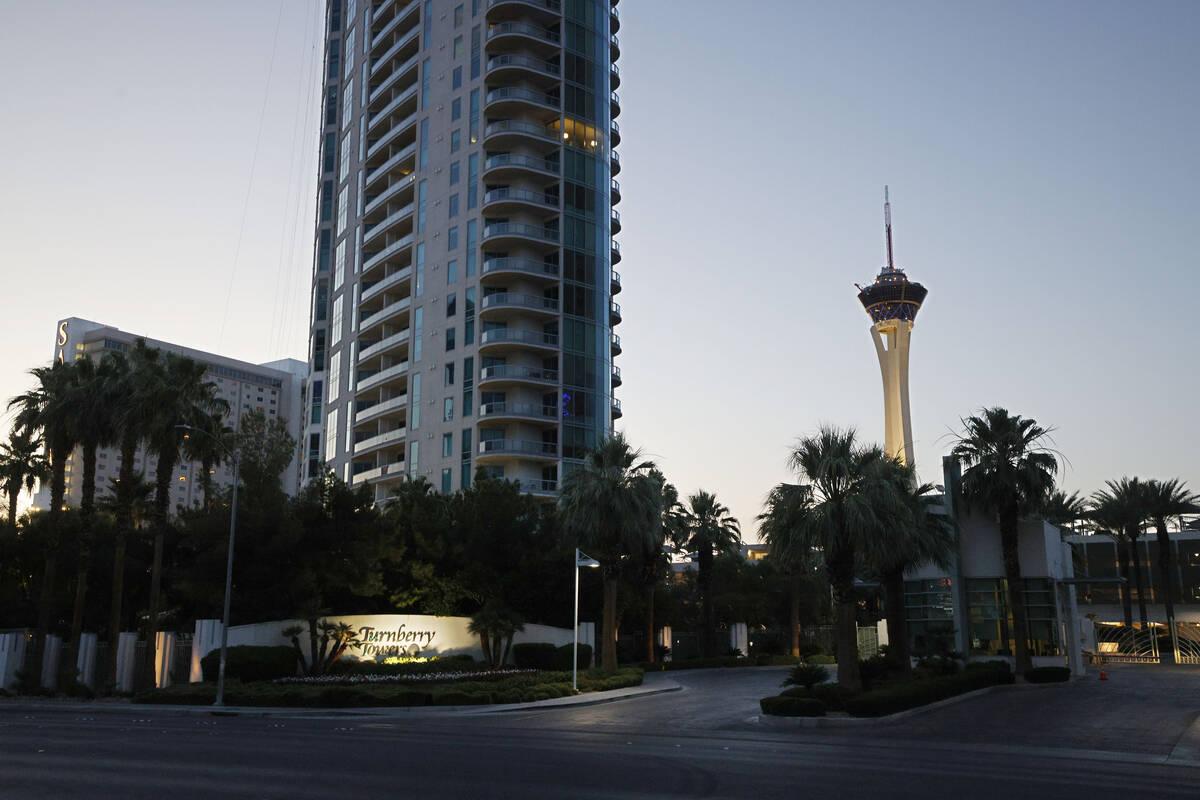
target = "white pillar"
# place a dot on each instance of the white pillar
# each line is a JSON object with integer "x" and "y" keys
{"x": 51, "y": 654}
{"x": 664, "y": 640}
{"x": 206, "y": 639}
{"x": 739, "y": 638}
{"x": 12, "y": 654}
{"x": 891, "y": 345}
{"x": 126, "y": 658}
{"x": 164, "y": 656}
{"x": 881, "y": 632}
{"x": 85, "y": 660}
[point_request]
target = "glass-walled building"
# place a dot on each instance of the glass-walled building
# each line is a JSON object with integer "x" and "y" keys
{"x": 462, "y": 313}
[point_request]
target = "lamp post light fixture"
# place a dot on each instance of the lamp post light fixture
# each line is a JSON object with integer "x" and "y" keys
{"x": 582, "y": 559}
{"x": 236, "y": 456}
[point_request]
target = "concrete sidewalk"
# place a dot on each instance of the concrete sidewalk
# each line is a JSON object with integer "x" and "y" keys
{"x": 21, "y": 705}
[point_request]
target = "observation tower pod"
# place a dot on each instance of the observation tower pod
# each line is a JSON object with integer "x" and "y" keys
{"x": 892, "y": 302}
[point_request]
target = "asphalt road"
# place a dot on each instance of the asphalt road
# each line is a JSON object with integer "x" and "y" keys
{"x": 699, "y": 742}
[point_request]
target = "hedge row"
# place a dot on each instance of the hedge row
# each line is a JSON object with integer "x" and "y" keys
{"x": 790, "y": 706}
{"x": 904, "y": 696}
{"x": 520, "y": 689}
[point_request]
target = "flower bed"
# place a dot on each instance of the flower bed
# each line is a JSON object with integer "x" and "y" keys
{"x": 346, "y": 679}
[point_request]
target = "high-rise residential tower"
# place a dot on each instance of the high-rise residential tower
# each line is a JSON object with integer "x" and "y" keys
{"x": 893, "y": 301}
{"x": 462, "y": 306}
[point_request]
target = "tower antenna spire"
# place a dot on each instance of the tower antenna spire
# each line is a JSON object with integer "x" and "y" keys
{"x": 887, "y": 225}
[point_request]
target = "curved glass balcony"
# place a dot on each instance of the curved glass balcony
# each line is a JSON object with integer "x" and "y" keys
{"x": 517, "y": 99}
{"x": 519, "y": 447}
{"x": 507, "y": 132}
{"x": 498, "y": 338}
{"x": 616, "y": 345}
{"x": 614, "y": 136}
{"x": 511, "y": 65}
{"x": 615, "y": 221}
{"x": 616, "y": 252}
{"x": 501, "y": 234}
{"x": 615, "y": 160}
{"x": 526, "y": 33}
{"x": 614, "y": 47}
{"x": 515, "y": 373}
{"x": 614, "y": 310}
{"x": 522, "y": 302}
{"x": 615, "y": 190}
{"x": 519, "y": 411}
{"x": 616, "y": 409}
{"x": 520, "y": 266}
{"x": 511, "y": 165}
{"x": 505, "y": 199}
{"x": 615, "y": 283}
{"x": 615, "y": 103}
{"x": 616, "y": 376}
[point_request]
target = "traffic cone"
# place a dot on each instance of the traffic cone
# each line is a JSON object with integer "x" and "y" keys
{"x": 1103, "y": 675}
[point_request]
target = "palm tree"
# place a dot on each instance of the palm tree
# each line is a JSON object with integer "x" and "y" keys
{"x": 1124, "y": 503}
{"x": 917, "y": 535}
{"x": 1109, "y": 521}
{"x": 22, "y": 465}
{"x": 1062, "y": 509}
{"x": 1167, "y": 499}
{"x": 847, "y": 497}
{"x": 781, "y": 527}
{"x": 655, "y": 561}
{"x": 208, "y": 451}
{"x": 178, "y": 394}
{"x": 711, "y": 529}
{"x": 44, "y": 411}
{"x": 1009, "y": 474}
{"x": 610, "y": 504}
{"x": 91, "y": 411}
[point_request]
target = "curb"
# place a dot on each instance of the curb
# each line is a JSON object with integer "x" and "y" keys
{"x": 591, "y": 699}
{"x": 772, "y": 721}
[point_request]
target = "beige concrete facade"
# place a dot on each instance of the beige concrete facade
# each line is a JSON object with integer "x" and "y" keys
{"x": 276, "y": 389}
{"x": 891, "y": 339}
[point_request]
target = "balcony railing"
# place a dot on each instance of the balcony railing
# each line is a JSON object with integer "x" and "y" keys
{"x": 520, "y": 447}
{"x": 511, "y": 300}
{"x": 396, "y": 246}
{"x": 383, "y": 376}
{"x": 540, "y": 486}
{"x": 527, "y": 265}
{"x": 534, "y": 410}
{"x": 549, "y": 5}
{"x": 525, "y": 29}
{"x": 379, "y": 441}
{"x": 521, "y": 196}
{"x": 384, "y": 313}
{"x": 370, "y": 232}
{"x": 519, "y": 160}
{"x": 383, "y": 345}
{"x": 525, "y": 231}
{"x": 391, "y": 280}
{"x": 519, "y": 336}
{"x": 516, "y": 126}
{"x": 518, "y": 372}
{"x": 529, "y": 62}
{"x": 615, "y": 309}
{"x": 521, "y": 93}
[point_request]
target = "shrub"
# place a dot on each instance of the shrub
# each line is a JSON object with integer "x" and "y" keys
{"x": 1048, "y": 675}
{"x": 535, "y": 655}
{"x": 833, "y": 695}
{"x": 806, "y": 675}
{"x": 935, "y": 667}
{"x": 776, "y": 660}
{"x": 820, "y": 658}
{"x": 875, "y": 670}
{"x": 811, "y": 649}
{"x": 787, "y": 706}
{"x": 881, "y": 702}
{"x": 1001, "y": 667}
{"x": 562, "y": 657}
{"x": 248, "y": 663}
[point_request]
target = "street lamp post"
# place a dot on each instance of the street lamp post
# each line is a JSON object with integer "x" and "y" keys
{"x": 582, "y": 559}
{"x": 236, "y": 455}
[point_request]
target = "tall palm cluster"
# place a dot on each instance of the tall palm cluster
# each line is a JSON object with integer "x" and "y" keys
{"x": 131, "y": 400}
{"x": 856, "y": 512}
{"x": 622, "y": 511}
{"x": 1124, "y": 510}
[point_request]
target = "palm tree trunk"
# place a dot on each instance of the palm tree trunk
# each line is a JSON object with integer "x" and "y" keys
{"x": 841, "y": 576}
{"x": 1010, "y": 542}
{"x": 1126, "y": 590}
{"x": 794, "y": 614}
{"x": 87, "y": 519}
{"x": 1137, "y": 576}
{"x": 13, "y": 496}
{"x": 608, "y": 644}
{"x": 58, "y": 490}
{"x": 124, "y": 528}
{"x": 649, "y": 589}
{"x": 1167, "y": 569}
{"x": 162, "y": 503}
{"x": 897, "y": 621}
{"x": 708, "y": 635}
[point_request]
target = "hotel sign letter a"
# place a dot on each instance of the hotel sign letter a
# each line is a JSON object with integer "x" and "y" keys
{"x": 62, "y": 339}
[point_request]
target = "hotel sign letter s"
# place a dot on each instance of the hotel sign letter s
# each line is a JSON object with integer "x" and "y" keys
{"x": 62, "y": 339}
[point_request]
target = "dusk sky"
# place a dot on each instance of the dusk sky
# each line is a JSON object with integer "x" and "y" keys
{"x": 1043, "y": 158}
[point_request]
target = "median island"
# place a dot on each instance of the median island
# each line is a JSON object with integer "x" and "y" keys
{"x": 265, "y": 676}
